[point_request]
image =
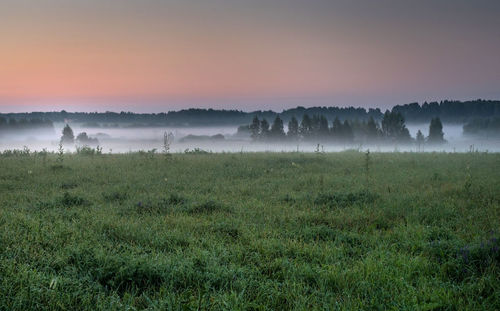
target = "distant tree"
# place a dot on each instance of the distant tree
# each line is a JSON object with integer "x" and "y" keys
{"x": 336, "y": 130}
{"x": 168, "y": 139}
{"x": 293, "y": 128}
{"x": 323, "y": 129}
{"x": 347, "y": 132}
{"x": 483, "y": 126}
{"x": 305, "y": 129}
{"x": 277, "y": 130}
{"x": 420, "y": 139}
{"x": 3, "y": 123}
{"x": 84, "y": 140}
{"x": 13, "y": 123}
{"x": 447, "y": 111}
{"x": 243, "y": 130}
{"x": 436, "y": 132}
{"x": 264, "y": 129}
{"x": 394, "y": 128}
{"x": 67, "y": 137}
{"x": 358, "y": 128}
{"x": 372, "y": 129}
{"x": 255, "y": 128}
{"x": 315, "y": 123}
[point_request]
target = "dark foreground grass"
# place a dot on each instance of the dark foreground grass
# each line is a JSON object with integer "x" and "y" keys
{"x": 250, "y": 231}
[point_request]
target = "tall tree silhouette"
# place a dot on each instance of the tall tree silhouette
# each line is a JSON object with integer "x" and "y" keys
{"x": 67, "y": 137}
{"x": 255, "y": 128}
{"x": 420, "y": 139}
{"x": 336, "y": 130}
{"x": 372, "y": 130}
{"x": 323, "y": 129}
{"x": 277, "y": 131}
{"x": 394, "y": 128}
{"x": 264, "y": 129}
{"x": 347, "y": 133}
{"x": 293, "y": 128}
{"x": 305, "y": 129}
{"x": 436, "y": 135}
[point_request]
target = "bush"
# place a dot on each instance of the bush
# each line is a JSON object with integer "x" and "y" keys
{"x": 69, "y": 200}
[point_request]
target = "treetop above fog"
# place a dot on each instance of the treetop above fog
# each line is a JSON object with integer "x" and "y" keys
{"x": 447, "y": 111}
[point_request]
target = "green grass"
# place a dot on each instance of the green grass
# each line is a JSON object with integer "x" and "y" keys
{"x": 264, "y": 231}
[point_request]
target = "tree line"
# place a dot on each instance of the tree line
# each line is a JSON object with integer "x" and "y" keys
{"x": 485, "y": 126}
{"x": 14, "y": 124}
{"x": 317, "y": 128}
{"x": 448, "y": 111}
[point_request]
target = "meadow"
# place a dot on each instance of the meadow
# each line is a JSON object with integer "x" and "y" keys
{"x": 250, "y": 231}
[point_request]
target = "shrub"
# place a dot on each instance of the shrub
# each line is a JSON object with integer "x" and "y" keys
{"x": 69, "y": 200}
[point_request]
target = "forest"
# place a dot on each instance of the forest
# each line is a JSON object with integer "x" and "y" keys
{"x": 20, "y": 124}
{"x": 485, "y": 126}
{"x": 447, "y": 111}
{"x": 392, "y": 129}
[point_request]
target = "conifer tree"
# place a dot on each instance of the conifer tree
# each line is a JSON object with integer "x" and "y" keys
{"x": 67, "y": 137}
{"x": 264, "y": 129}
{"x": 323, "y": 129}
{"x": 277, "y": 131}
{"x": 420, "y": 139}
{"x": 305, "y": 128}
{"x": 372, "y": 129}
{"x": 255, "y": 128}
{"x": 336, "y": 129}
{"x": 436, "y": 132}
{"x": 293, "y": 128}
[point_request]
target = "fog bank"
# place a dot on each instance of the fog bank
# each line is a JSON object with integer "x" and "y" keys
{"x": 122, "y": 140}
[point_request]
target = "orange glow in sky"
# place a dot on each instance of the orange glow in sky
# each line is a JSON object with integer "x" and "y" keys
{"x": 216, "y": 48}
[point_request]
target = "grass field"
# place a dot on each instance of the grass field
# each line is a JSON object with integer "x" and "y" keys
{"x": 265, "y": 231}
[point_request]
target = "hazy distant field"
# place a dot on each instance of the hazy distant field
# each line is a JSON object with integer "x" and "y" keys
{"x": 250, "y": 231}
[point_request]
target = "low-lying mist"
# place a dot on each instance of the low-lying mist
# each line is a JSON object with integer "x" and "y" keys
{"x": 226, "y": 139}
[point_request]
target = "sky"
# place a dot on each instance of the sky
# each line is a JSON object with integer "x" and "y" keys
{"x": 153, "y": 55}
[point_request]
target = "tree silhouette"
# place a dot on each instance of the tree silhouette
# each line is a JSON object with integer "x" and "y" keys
{"x": 277, "y": 130}
{"x": 420, "y": 139}
{"x": 84, "y": 140}
{"x": 305, "y": 128}
{"x": 67, "y": 137}
{"x": 336, "y": 129}
{"x": 436, "y": 132}
{"x": 264, "y": 129}
{"x": 255, "y": 128}
{"x": 293, "y": 129}
{"x": 323, "y": 129}
{"x": 372, "y": 129}
{"x": 394, "y": 128}
{"x": 347, "y": 133}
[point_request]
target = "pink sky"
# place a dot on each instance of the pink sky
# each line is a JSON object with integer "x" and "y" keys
{"x": 159, "y": 55}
